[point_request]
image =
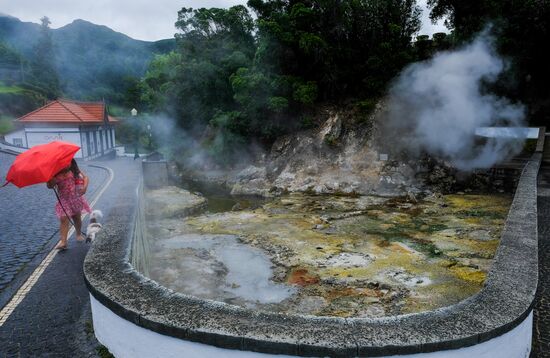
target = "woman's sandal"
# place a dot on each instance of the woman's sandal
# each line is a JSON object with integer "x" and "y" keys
{"x": 60, "y": 247}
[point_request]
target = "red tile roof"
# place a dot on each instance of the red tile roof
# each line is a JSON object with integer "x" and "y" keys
{"x": 69, "y": 112}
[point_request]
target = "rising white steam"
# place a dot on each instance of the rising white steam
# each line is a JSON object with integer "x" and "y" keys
{"x": 436, "y": 105}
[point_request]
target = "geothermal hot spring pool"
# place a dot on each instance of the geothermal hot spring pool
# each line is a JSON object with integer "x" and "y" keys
{"x": 343, "y": 256}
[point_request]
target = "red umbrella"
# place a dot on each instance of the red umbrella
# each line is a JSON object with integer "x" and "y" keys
{"x": 40, "y": 163}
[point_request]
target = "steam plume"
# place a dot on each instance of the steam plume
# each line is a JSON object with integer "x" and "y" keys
{"x": 436, "y": 105}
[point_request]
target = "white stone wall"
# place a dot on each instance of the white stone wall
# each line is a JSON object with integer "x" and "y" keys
{"x": 32, "y": 136}
{"x": 36, "y": 136}
{"x": 12, "y": 137}
{"x": 127, "y": 340}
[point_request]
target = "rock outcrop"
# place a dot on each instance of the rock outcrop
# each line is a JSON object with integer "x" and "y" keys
{"x": 338, "y": 157}
{"x": 341, "y": 156}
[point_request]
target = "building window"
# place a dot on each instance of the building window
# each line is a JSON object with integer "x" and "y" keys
{"x": 18, "y": 142}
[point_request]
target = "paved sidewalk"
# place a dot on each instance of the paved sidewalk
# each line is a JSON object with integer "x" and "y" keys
{"x": 541, "y": 331}
{"x": 54, "y": 319}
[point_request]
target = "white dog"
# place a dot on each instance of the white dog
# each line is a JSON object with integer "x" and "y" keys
{"x": 94, "y": 226}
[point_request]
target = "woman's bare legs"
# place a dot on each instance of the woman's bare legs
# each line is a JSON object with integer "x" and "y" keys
{"x": 63, "y": 231}
{"x": 77, "y": 220}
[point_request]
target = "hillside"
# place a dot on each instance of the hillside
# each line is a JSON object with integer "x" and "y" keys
{"x": 93, "y": 61}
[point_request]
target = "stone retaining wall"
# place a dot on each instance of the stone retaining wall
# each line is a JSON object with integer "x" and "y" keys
{"x": 498, "y": 308}
{"x": 139, "y": 255}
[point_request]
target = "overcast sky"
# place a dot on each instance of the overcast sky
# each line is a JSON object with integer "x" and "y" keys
{"x": 140, "y": 19}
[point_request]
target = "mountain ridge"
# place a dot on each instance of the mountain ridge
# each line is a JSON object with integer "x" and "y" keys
{"x": 93, "y": 61}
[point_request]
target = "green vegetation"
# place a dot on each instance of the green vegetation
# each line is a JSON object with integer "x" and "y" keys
{"x": 103, "y": 352}
{"x": 522, "y": 31}
{"x": 92, "y": 62}
{"x": 43, "y": 71}
{"x": 89, "y": 328}
{"x": 236, "y": 79}
{"x": 15, "y": 100}
{"x": 6, "y": 125}
{"x": 9, "y": 89}
{"x": 26, "y": 83}
{"x": 246, "y": 75}
{"x": 36, "y": 72}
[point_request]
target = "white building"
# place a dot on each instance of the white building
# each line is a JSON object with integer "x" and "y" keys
{"x": 85, "y": 124}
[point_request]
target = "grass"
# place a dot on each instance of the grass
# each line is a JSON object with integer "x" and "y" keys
{"x": 89, "y": 328}
{"x": 6, "y": 124}
{"x": 9, "y": 89}
{"x": 103, "y": 352}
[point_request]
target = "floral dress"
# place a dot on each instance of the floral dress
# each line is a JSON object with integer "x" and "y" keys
{"x": 73, "y": 203}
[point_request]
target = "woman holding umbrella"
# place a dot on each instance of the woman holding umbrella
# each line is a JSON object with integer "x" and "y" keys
{"x": 53, "y": 164}
{"x": 71, "y": 184}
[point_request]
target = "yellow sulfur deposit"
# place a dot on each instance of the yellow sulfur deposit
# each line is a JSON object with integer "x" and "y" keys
{"x": 359, "y": 256}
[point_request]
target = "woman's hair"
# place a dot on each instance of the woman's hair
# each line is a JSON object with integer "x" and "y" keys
{"x": 74, "y": 168}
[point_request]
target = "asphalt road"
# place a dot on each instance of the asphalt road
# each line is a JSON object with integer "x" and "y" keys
{"x": 54, "y": 318}
{"x": 28, "y": 225}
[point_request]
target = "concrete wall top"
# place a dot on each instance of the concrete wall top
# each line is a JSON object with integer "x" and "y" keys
{"x": 505, "y": 300}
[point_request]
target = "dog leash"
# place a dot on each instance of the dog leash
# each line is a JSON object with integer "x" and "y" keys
{"x": 62, "y": 207}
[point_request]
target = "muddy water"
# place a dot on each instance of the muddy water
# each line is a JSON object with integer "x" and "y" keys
{"x": 333, "y": 255}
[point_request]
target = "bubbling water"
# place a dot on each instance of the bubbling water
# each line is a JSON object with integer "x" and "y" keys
{"x": 240, "y": 271}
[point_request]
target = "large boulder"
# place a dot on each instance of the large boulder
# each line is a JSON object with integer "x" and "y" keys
{"x": 171, "y": 202}
{"x": 252, "y": 181}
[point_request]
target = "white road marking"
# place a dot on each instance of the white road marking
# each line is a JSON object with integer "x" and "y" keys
{"x": 8, "y": 309}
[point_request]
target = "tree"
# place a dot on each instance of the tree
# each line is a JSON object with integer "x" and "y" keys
{"x": 11, "y": 64}
{"x": 522, "y": 31}
{"x": 43, "y": 70}
{"x": 237, "y": 80}
{"x": 158, "y": 83}
{"x": 344, "y": 47}
{"x": 213, "y": 45}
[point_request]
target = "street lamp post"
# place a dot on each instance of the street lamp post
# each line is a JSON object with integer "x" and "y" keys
{"x": 150, "y": 136}
{"x": 134, "y": 113}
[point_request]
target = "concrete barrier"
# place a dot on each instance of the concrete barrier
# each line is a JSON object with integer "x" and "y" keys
{"x": 155, "y": 173}
{"x": 10, "y": 148}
